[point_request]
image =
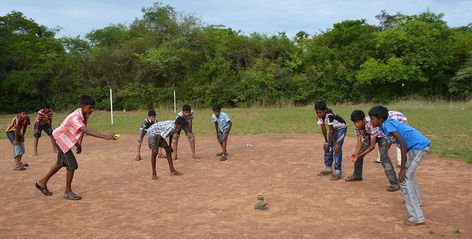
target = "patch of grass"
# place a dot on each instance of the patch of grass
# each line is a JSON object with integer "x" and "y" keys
{"x": 446, "y": 124}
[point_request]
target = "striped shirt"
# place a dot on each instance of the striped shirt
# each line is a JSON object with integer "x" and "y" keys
{"x": 69, "y": 133}
{"x": 332, "y": 119}
{"x": 44, "y": 116}
{"x": 18, "y": 123}
{"x": 163, "y": 128}
{"x": 147, "y": 123}
{"x": 398, "y": 116}
{"x": 375, "y": 131}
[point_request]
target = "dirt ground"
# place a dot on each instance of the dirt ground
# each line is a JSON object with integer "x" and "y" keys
{"x": 216, "y": 199}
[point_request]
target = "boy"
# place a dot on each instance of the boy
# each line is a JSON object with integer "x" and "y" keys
{"x": 412, "y": 144}
{"x": 16, "y": 134}
{"x": 157, "y": 138}
{"x": 367, "y": 137}
{"x": 70, "y": 133}
{"x": 402, "y": 118}
{"x": 188, "y": 115}
{"x": 150, "y": 120}
{"x": 223, "y": 126}
{"x": 333, "y": 141}
{"x": 43, "y": 122}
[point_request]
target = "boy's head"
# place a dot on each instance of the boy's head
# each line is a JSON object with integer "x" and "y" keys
{"x": 23, "y": 113}
{"x": 180, "y": 122}
{"x": 320, "y": 109}
{"x": 216, "y": 110}
{"x": 357, "y": 117}
{"x": 378, "y": 114}
{"x": 152, "y": 115}
{"x": 87, "y": 103}
{"x": 186, "y": 110}
{"x": 46, "y": 105}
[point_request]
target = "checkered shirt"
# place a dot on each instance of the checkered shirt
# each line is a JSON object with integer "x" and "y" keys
{"x": 162, "y": 128}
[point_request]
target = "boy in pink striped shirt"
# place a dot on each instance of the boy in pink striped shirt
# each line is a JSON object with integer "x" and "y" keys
{"x": 69, "y": 134}
{"x": 43, "y": 122}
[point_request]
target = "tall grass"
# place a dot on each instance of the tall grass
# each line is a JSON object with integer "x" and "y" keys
{"x": 447, "y": 124}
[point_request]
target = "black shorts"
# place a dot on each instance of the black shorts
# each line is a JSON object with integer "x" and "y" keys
{"x": 40, "y": 127}
{"x": 157, "y": 141}
{"x": 66, "y": 159}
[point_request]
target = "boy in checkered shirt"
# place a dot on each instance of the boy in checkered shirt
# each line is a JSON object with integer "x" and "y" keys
{"x": 16, "y": 134}
{"x": 157, "y": 135}
{"x": 43, "y": 122}
{"x": 69, "y": 134}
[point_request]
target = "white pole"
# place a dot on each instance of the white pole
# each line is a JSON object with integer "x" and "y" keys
{"x": 175, "y": 103}
{"x": 111, "y": 105}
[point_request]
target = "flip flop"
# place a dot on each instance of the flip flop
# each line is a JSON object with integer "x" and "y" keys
{"x": 44, "y": 190}
{"x": 24, "y": 164}
{"x": 72, "y": 196}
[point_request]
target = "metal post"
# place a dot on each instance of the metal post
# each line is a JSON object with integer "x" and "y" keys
{"x": 111, "y": 105}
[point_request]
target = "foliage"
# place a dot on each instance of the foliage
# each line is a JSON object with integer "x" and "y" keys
{"x": 163, "y": 50}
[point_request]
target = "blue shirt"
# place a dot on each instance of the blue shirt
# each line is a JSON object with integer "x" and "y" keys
{"x": 412, "y": 137}
{"x": 222, "y": 121}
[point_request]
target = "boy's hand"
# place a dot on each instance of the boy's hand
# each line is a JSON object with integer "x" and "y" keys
{"x": 140, "y": 141}
{"x": 15, "y": 142}
{"x": 325, "y": 146}
{"x": 79, "y": 149}
{"x": 111, "y": 136}
{"x": 402, "y": 174}
{"x": 336, "y": 148}
{"x": 21, "y": 138}
{"x": 190, "y": 134}
{"x": 353, "y": 157}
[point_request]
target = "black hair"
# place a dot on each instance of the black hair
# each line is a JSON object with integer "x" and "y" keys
{"x": 357, "y": 115}
{"x": 46, "y": 105}
{"x": 87, "y": 100}
{"x": 379, "y": 112}
{"x": 186, "y": 108}
{"x": 180, "y": 121}
{"x": 152, "y": 113}
{"x": 216, "y": 107}
{"x": 320, "y": 105}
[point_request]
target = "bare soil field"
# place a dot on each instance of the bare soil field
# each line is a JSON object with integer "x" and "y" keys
{"x": 215, "y": 199}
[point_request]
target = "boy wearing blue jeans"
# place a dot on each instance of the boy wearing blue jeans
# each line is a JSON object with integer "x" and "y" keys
{"x": 333, "y": 141}
{"x": 413, "y": 145}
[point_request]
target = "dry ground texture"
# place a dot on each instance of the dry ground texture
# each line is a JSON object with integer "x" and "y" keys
{"x": 215, "y": 199}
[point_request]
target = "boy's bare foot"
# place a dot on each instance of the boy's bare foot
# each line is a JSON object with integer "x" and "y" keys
{"x": 155, "y": 177}
{"x": 194, "y": 156}
{"x": 220, "y": 154}
{"x": 138, "y": 158}
{"x": 162, "y": 156}
{"x": 176, "y": 173}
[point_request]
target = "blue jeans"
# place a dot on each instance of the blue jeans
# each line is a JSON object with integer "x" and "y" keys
{"x": 330, "y": 156}
{"x": 409, "y": 187}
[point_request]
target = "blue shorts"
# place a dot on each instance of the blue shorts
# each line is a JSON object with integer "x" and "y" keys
{"x": 19, "y": 148}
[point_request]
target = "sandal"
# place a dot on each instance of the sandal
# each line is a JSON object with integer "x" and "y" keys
{"x": 325, "y": 173}
{"x": 393, "y": 188}
{"x": 336, "y": 177}
{"x": 72, "y": 196}
{"x": 19, "y": 167}
{"x": 24, "y": 164}
{"x": 44, "y": 190}
{"x": 352, "y": 178}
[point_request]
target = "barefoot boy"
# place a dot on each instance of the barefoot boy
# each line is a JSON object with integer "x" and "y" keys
{"x": 150, "y": 120}
{"x": 223, "y": 126}
{"x": 413, "y": 145}
{"x": 367, "y": 137}
{"x": 69, "y": 134}
{"x": 188, "y": 115}
{"x": 333, "y": 141}
{"x": 157, "y": 138}
{"x": 43, "y": 122}
{"x": 16, "y": 134}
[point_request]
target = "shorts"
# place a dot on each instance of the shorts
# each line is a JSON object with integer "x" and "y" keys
{"x": 221, "y": 136}
{"x": 156, "y": 141}
{"x": 186, "y": 129}
{"x": 18, "y": 149}
{"x": 67, "y": 159}
{"x": 40, "y": 127}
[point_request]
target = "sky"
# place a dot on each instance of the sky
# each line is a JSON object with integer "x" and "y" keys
{"x": 79, "y": 17}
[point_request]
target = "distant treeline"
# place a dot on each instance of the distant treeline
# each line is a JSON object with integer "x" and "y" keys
{"x": 402, "y": 56}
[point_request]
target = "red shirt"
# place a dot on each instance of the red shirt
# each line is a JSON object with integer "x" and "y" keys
{"x": 44, "y": 116}
{"x": 18, "y": 123}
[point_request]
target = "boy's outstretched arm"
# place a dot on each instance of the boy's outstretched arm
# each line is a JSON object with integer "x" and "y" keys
{"x": 325, "y": 135}
{"x": 333, "y": 137}
{"x": 402, "y": 173}
{"x": 216, "y": 128}
{"x": 93, "y": 133}
{"x": 230, "y": 124}
{"x": 355, "y": 155}
{"x": 373, "y": 141}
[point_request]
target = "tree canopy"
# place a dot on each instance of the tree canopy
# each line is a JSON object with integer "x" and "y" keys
{"x": 354, "y": 61}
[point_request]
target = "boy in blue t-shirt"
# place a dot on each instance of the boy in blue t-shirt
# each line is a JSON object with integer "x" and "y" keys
{"x": 413, "y": 144}
{"x": 222, "y": 126}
